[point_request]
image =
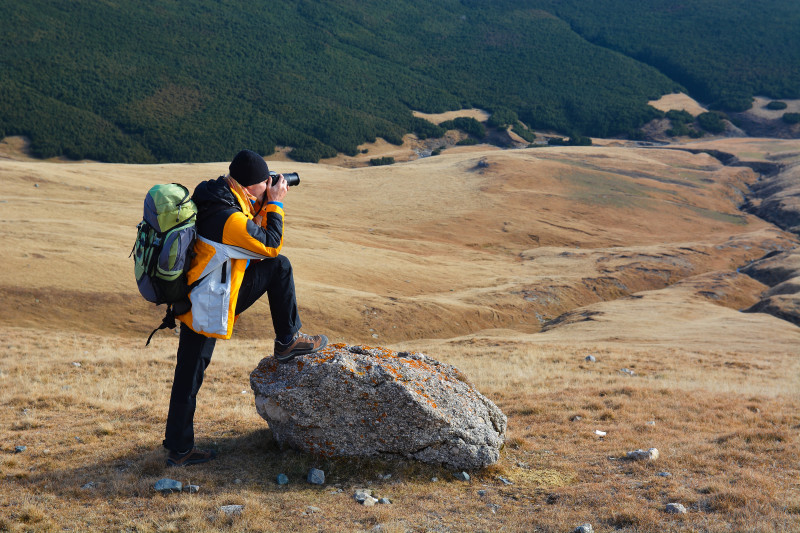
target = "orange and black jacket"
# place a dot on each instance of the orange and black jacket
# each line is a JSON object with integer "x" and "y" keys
{"x": 227, "y": 239}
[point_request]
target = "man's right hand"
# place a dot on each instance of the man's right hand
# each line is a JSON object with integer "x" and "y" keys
{"x": 277, "y": 189}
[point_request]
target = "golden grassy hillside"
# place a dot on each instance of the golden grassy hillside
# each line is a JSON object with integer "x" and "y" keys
{"x": 511, "y": 265}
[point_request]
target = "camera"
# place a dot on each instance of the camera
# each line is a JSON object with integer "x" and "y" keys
{"x": 292, "y": 178}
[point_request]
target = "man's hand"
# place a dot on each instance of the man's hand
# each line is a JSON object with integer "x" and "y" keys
{"x": 278, "y": 189}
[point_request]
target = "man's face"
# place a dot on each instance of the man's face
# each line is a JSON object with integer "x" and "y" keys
{"x": 257, "y": 190}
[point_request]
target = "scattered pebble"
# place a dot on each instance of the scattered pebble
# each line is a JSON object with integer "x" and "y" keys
{"x": 584, "y": 528}
{"x": 651, "y": 423}
{"x": 481, "y": 493}
{"x": 664, "y": 474}
{"x": 461, "y": 476}
{"x": 312, "y": 509}
{"x": 385, "y": 501}
{"x": 600, "y": 433}
{"x": 20, "y": 449}
{"x": 643, "y": 455}
{"x": 191, "y": 489}
{"x": 576, "y": 418}
{"x": 316, "y": 477}
{"x": 675, "y": 508}
{"x": 627, "y": 371}
{"x": 166, "y": 485}
{"x": 493, "y": 507}
{"x": 364, "y": 497}
{"x": 89, "y": 485}
{"x": 590, "y": 359}
{"x": 237, "y": 481}
{"x": 504, "y": 480}
{"x": 434, "y": 479}
{"x": 76, "y": 364}
{"x": 232, "y": 510}
{"x": 384, "y": 476}
{"x": 282, "y": 479}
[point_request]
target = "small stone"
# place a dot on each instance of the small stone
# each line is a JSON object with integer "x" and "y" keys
{"x": 76, "y": 364}
{"x": 20, "y": 449}
{"x": 576, "y": 418}
{"x": 627, "y": 371}
{"x": 237, "y": 481}
{"x": 583, "y": 528}
{"x": 167, "y": 486}
{"x": 232, "y": 510}
{"x": 311, "y": 509}
{"x": 385, "y": 501}
{"x": 461, "y": 476}
{"x": 643, "y": 455}
{"x": 374, "y": 335}
{"x": 600, "y": 433}
{"x": 481, "y": 493}
{"x": 434, "y": 479}
{"x": 664, "y": 474}
{"x": 191, "y": 489}
{"x": 316, "y": 476}
{"x": 369, "y": 501}
{"x": 590, "y": 359}
{"x": 282, "y": 479}
{"x": 651, "y": 423}
{"x": 504, "y": 480}
{"x": 89, "y": 485}
{"x": 675, "y": 508}
{"x": 362, "y": 494}
{"x": 36, "y": 185}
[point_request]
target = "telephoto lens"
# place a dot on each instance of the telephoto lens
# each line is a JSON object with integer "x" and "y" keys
{"x": 292, "y": 178}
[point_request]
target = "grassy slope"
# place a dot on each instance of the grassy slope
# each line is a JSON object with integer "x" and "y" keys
{"x": 464, "y": 283}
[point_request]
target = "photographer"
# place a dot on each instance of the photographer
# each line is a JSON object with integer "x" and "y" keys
{"x": 239, "y": 238}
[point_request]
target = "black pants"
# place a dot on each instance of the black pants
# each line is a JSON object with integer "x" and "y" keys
{"x": 273, "y": 276}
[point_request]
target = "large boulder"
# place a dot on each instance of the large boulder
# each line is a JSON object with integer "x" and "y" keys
{"x": 352, "y": 401}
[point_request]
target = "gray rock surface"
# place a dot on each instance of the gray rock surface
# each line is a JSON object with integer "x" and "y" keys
{"x": 675, "y": 508}
{"x": 583, "y": 528}
{"x": 316, "y": 476}
{"x": 232, "y": 510}
{"x": 166, "y": 485}
{"x": 358, "y": 402}
{"x": 643, "y": 455}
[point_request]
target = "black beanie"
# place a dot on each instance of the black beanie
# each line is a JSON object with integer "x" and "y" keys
{"x": 248, "y": 168}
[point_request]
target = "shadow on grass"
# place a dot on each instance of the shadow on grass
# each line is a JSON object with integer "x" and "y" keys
{"x": 252, "y": 460}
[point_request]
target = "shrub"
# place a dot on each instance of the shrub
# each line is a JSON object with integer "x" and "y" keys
{"x": 502, "y": 117}
{"x": 424, "y": 128}
{"x": 679, "y": 116}
{"x": 711, "y": 121}
{"x": 791, "y": 118}
{"x": 468, "y": 125}
{"x": 523, "y": 132}
{"x": 469, "y": 141}
{"x": 378, "y": 161}
{"x": 776, "y": 105}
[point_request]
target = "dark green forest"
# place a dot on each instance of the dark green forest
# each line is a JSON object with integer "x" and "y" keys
{"x": 197, "y": 80}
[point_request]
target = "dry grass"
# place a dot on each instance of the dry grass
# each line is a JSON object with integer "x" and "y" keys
{"x": 469, "y": 267}
{"x": 732, "y": 455}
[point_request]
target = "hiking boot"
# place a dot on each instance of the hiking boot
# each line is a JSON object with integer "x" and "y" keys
{"x": 302, "y": 344}
{"x": 192, "y": 457}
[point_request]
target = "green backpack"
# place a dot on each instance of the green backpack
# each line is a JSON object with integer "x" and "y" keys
{"x": 164, "y": 248}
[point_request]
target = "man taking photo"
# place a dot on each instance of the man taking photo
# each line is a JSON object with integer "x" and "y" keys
{"x": 239, "y": 238}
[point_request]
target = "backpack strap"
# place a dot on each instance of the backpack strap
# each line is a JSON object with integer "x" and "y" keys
{"x": 173, "y": 310}
{"x": 167, "y": 322}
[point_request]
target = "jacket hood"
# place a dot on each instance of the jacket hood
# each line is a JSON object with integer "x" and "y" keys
{"x": 214, "y": 193}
